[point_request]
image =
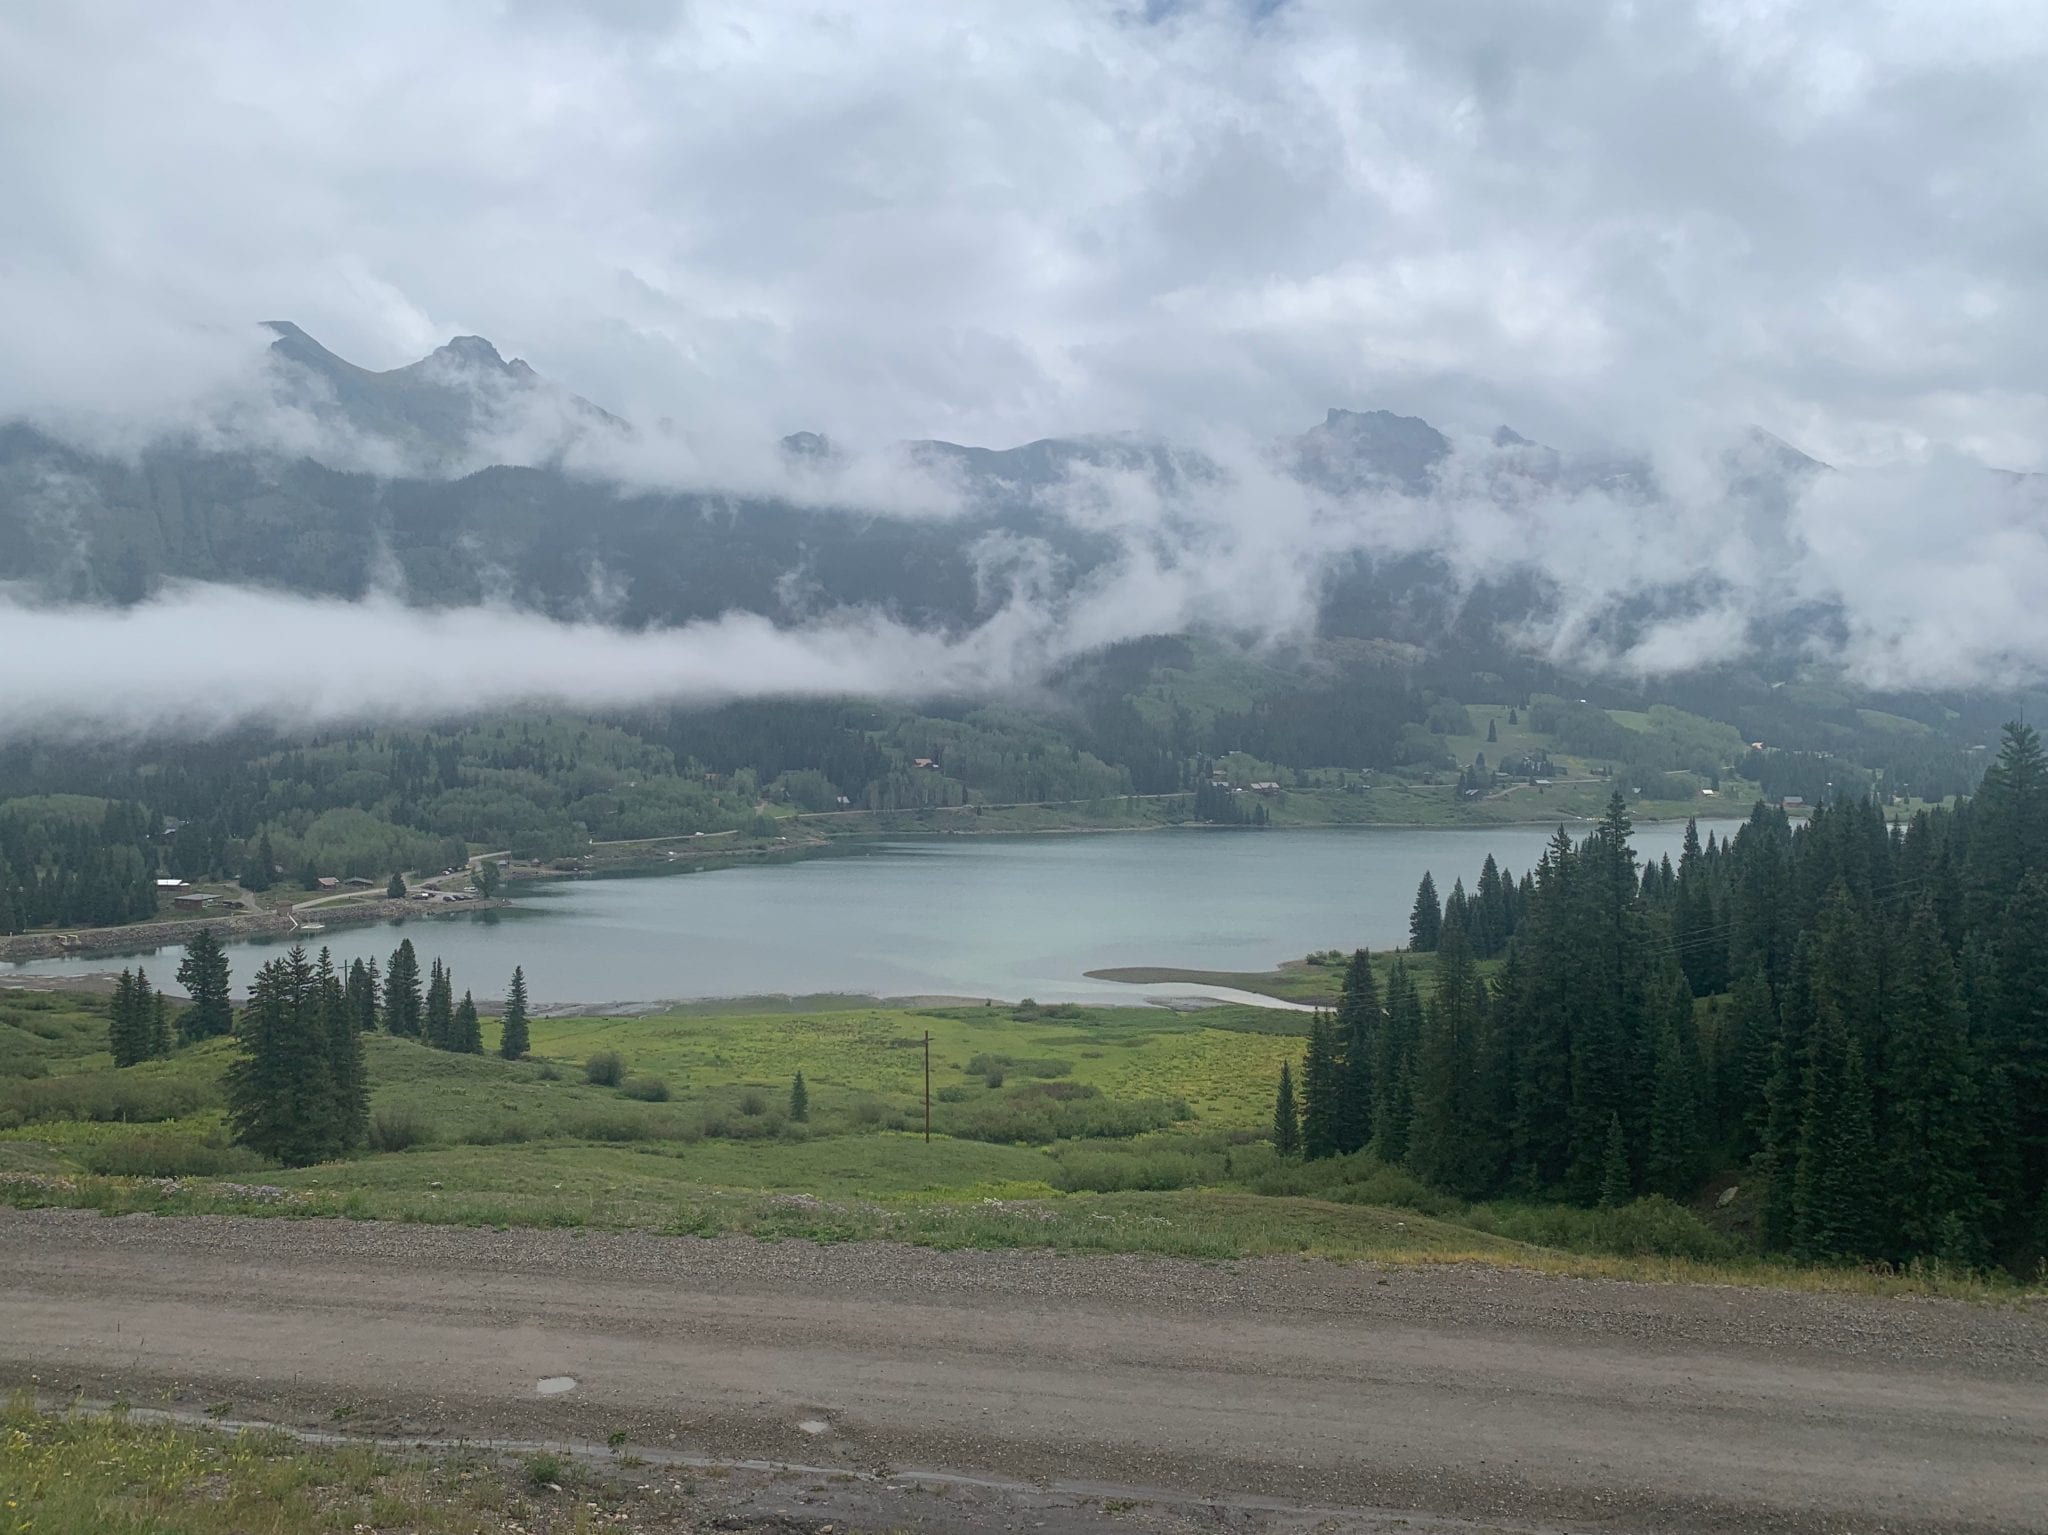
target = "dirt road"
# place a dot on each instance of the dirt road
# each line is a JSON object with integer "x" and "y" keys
{"x": 1478, "y": 1396}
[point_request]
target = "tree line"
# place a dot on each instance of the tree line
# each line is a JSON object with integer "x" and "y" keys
{"x": 1850, "y": 1016}
{"x": 298, "y": 1090}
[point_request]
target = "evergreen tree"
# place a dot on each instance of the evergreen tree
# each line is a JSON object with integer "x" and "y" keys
{"x": 514, "y": 1043}
{"x": 1617, "y": 1184}
{"x": 348, "y": 1108}
{"x": 1394, "y": 1065}
{"x": 1492, "y": 731}
{"x": 466, "y": 1035}
{"x": 438, "y": 1027}
{"x": 1321, "y": 1091}
{"x": 1357, "y": 1038}
{"x": 1457, "y": 911}
{"x": 203, "y": 972}
{"x": 1426, "y": 921}
{"x": 1671, "y": 1164}
{"x": 125, "y": 1039}
{"x": 360, "y": 991}
{"x": 159, "y": 1025}
{"x": 281, "y": 1088}
{"x": 799, "y": 1099}
{"x": 1442, "y": 1131}
{"x": 395, "y": 890}
{"x": 1834, "y": 1193}
{"x": 403, "y": 1011}
{"x": 1932, "y": 1149}
{"x": 259, "y": 865}
{"x": 1286, "y": 1127}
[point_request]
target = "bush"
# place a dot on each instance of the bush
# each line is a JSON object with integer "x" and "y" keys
{"x": 1112, "y": 1172}
{"x": 605, "y": 1069}
{"x": 995, "y": 1065}
{"x": 753, "y": 1102}
{"x": 544, "y": 1471}
{"x": 1654, "y": 1227}
{"x": 104, "y": 1098}
{"x": 1057, "y": 1111}
{"x": 398, "y": 1129}
{"x": 499, "y": 1132}
{"x": 166, "y": 1154}
{"x": 995, "y": 1078}
{"x": 648, "y": 1089}
{"x": 954, "y": 1093}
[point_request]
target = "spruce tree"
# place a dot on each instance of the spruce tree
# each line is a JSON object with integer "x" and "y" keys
{"x": 348, "y": 1106}
{"x": 1441, "y": 1148}
{"x": 1394, "y": 1065}
{"x": 439, "y": 1024}
{"x": 1286, "y": 1126}
{"x": 1457, "y": 911}
{"x": 799, "y": 1099}
{"x": 159, "y": 1024}
{"x": 361, "y": 992}
{"x": 1321, "y": 1090}
{"x": 1932, "y": 1149}
{"x": 281, "y": 1088}
{"x": 1617, "y": 1184}
{"x": 465, "y": 1035}
{"x": 203, "y": 972}
{"x": 1357, "y": 1039}
{"x": 259, "y": 865}
{"x": 124, "y": 1038}
{"x": 514, "y": 1043}
{"x": 1426, "y": 921}
{"x": 402, "y": 1006}
{"x": 1671, "y": 1163}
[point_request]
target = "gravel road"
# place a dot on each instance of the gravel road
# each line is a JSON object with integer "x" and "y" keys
{"x": 1258, "y": 1392}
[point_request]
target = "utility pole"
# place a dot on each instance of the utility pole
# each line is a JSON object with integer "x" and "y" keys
{"x": 927, "y": 1087}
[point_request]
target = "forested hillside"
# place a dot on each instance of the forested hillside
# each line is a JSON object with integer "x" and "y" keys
{"x": 1851, "y": 1017}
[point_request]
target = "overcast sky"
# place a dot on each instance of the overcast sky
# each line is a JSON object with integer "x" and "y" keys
{"x": 997, "y": 221}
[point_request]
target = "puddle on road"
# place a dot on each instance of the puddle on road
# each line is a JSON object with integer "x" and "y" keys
{"x": 814, "y": 1426}
{"x": 555, "y": 1385}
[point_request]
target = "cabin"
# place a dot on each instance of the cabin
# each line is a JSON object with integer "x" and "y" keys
{"x": 173, "y": 884}
{"x": 357, "y": 882}
{"x": 194, "y": 900}
{"x": 327, "y": 882}
{"x": 926, "y": 763}
{"x": 1792, "y": 802}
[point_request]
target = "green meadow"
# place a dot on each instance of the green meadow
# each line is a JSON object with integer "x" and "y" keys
{"x": 1084, "y": 1129}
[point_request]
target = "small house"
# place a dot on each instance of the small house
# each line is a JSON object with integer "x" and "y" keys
{"x": 357, "y": 882}
{"x": 926, "y": 763}
{"x": 328, "y": 882}
{"x": 194, "y": 900}
{"x": 172, "y": 884}
{"x": 1792, "y": 802}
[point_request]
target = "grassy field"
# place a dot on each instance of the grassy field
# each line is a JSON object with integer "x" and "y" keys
{"x": 1085, "y": 1129}
{"x": 80, "y": 1473}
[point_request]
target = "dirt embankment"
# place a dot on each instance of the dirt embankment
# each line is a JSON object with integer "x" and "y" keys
{"x": 1475, "y": 1397}
{"x": 138, "y": 936}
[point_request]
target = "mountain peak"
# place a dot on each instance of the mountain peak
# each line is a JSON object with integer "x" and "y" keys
{"x": 474, "y": 351}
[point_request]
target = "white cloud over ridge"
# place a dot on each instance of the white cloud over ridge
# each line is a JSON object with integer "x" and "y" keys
{"x": 1605, "y": 224}
{"x": 992, "y": 223}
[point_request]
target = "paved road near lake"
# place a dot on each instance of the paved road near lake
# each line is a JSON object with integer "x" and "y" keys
{"x": 1032, "y": 1389}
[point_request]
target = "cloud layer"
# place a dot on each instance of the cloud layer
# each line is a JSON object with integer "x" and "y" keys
{"x": 993, "y": 222}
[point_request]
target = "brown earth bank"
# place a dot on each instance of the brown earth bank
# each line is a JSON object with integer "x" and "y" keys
{"x": 137, "y": 936}
{"x": 1252, "y": 1393}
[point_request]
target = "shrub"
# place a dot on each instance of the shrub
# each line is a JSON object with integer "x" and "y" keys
{"x": 608, "y": 1125}
{"x": 544, "y": 1471}
{"x": 996, "y": 1065}
{"x": 953, "y": 1093}
{"x": 753, "y": 1101}
{"x": 995, "y": 1078}
{"x": 104, "y": 1098}
{"x": 605, "y": 1069}
{"x": 547, "y": 1071}
{"x": 166, "y": 1154}
{"x": 499, "y": 1132}
{"x": 1057, "y": 1111}
{"x": 398, "y": 1129}
{"x": 1111, "y": 1172}
{"x": 648, "y": 1089}
{"x": 1654, "y": 1227}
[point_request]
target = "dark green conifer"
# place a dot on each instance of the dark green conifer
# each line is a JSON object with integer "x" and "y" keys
{"x": 1617, "y": 1184}
{"x": 1286, "y": 1126}
{"x": 799, "y": 1099}
{"x": 1357, "y": 1036}
{"x": 1321, "y": 1090}
{"x": 513, "y": 1042}
{"x": 438, "y": 1026}
{"x": 203, "y": 972}
{"x": 1426, "y": 921}
{"x": 465, "y": 1034}
{"x": 402, "y": 1006}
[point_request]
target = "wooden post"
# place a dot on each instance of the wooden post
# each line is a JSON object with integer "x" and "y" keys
{"x": 927, "y": 1087}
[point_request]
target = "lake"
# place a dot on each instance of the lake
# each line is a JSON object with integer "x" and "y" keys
{"x": 1003, "y": 917}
